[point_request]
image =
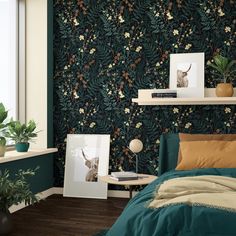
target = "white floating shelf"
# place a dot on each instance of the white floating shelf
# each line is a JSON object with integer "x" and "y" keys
{"x": 144, "y": 98}
{"x": 184, "y": 101}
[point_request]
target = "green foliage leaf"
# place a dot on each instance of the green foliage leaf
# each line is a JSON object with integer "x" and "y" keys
{"x": 16, "y": 190}
{"x": 104, "y": 55}
{"x": 157, "y": 24}
{"x": 3, "y": 113}
{"x": 223, "y": 66}
{"x": 21, "y": 133}
{"x": 2, "y": 141}
{"x": 140, "y": 9}
{"x": 109, "y": 27}
{"x": 207, "y": 21}
{"x": 151, "y": 53}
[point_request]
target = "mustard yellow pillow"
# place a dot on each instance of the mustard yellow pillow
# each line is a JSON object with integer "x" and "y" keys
{"x": 183, "y": 137}
{"x": 207, "y": 154}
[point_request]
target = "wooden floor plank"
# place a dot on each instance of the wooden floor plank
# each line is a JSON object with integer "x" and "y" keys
{"x": 59, "y": 216}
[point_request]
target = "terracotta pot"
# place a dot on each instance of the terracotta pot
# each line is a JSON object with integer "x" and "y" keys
{"x": 2, "y": 150}
{"x": 224, "y": 90}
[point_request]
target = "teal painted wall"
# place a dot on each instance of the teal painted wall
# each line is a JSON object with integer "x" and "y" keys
{"x": 43, "y": 179}
{"x": 104, "y": 51}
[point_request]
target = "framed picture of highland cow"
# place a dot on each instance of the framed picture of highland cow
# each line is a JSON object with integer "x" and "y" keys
{"x": 187, "y": 74}
{"x": 87, "y": 157}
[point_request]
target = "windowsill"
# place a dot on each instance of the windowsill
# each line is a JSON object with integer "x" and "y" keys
{"x": 14, "y": 155}
{"x": 10, "y": 148}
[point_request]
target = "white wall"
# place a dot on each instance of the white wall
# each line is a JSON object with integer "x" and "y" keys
{"x": 36, "y": 67}
{"x": 8, "y": 55}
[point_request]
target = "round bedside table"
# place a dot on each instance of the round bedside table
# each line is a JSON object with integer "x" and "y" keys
{"x": 143, "y": 179}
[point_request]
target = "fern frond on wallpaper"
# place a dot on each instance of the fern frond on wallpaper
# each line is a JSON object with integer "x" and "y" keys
{"x": 105, "y": 51}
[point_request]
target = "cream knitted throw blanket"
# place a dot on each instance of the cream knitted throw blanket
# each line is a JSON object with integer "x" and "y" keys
{"x": 206, "y": 190}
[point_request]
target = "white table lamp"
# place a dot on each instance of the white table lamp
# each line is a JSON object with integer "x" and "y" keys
{"x": 135, "y": 147}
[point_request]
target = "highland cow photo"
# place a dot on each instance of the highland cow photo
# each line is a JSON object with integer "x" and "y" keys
{"x": 187, "y": 74}
{"x": 89, "y": 160}
{"x": 87, "y": 157}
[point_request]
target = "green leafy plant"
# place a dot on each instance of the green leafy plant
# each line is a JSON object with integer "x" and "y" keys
{"x": 3, "y": 116}
{"x": 21, "y": 133}
{"x": 2, "y": 141}
{"x": 16, "y": 190}
{"x": 223, "y": 67}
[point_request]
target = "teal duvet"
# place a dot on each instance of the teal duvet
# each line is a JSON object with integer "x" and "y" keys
{"x": 175, "y": 220}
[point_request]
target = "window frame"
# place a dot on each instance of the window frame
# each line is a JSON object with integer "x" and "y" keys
{"x": 20, "y": 65}
{"x": 21, "y": 81}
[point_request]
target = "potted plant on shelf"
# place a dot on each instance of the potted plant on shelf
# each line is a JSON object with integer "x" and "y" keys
{"x": 21, "y": 134}
{"x": 224, "y": 69}
{"x": 12, "y": 192}
{"x": 3, "y": 116}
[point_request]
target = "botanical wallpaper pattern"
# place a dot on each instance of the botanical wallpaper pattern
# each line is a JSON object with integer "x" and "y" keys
{"x": 105, "y": 50}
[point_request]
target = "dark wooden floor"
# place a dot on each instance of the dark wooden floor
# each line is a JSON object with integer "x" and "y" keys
{"x": 58, "y": 216}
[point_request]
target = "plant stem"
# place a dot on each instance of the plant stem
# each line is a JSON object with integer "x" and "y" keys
{"x": 225, "y": 78}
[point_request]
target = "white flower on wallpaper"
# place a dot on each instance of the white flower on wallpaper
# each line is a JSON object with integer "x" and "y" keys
{"x": 138, "y": 49}
{"x": 92, "y": 125}
{"x": 81, "y": 37}
{"x": 127, "y": 35}
{"x": 138, "y": 125}
{"x": 127, "y": 110}
{"x": 92, "y": 50}
{"x": 188, "y": 125}
{"x": 121, "y": 19}
{"x": 227, "y": 110}
{"x": 81, "y": 110}
{"x": 175, "y": 32}
{"x": 220, "y": 12}
{"x": 175, "y": 110}
{"x": 227, "y": 29}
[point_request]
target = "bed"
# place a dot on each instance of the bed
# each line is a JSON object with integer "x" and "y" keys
{"x": 141, "y": 218}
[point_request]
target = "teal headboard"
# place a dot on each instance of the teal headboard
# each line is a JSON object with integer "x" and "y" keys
{"x": 168, "y": 153}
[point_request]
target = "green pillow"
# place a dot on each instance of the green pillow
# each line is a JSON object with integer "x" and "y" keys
{"x": 168, "y": 153}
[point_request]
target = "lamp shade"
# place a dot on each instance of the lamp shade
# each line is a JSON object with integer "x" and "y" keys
{"x": 136, "y": 145}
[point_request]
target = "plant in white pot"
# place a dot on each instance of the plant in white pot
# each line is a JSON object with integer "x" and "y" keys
{"x": 21, "y": 134}
{"x": 224, "y": 69}
{"x": 3, "y": 116}
{"x": 14, "y": 190}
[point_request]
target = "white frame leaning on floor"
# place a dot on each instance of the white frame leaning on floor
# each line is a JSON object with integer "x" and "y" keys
{"x": 192, "y": 64}
{"x": 87, "y": 156}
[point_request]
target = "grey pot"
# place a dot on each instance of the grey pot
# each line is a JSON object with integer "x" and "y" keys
{"x": 6, "y": 224}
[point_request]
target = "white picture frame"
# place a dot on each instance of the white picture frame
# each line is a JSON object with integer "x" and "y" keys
{"x": 187, "y": 74}
{"x": 87, "y": 157}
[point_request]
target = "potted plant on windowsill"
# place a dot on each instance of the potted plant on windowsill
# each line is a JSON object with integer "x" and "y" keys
{"x": 21, "y": 134}
{"x": 3, "y": 116}
{"x": 223, "y": 69}
{"x": 12, "y": 192}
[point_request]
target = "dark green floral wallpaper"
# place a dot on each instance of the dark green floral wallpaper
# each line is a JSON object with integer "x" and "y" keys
{"x": 105, "y": 50}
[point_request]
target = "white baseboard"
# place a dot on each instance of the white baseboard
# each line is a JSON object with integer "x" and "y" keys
{"x": 111, "y": 193}
{"x": 41, "y": 195}
{"x": 55, "y": 190}
{"x": 120, "y": 194}
{"x": 58, "y": 190}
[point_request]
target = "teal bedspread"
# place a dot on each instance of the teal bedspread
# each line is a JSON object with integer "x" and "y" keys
{"x": 175, "y": 220}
